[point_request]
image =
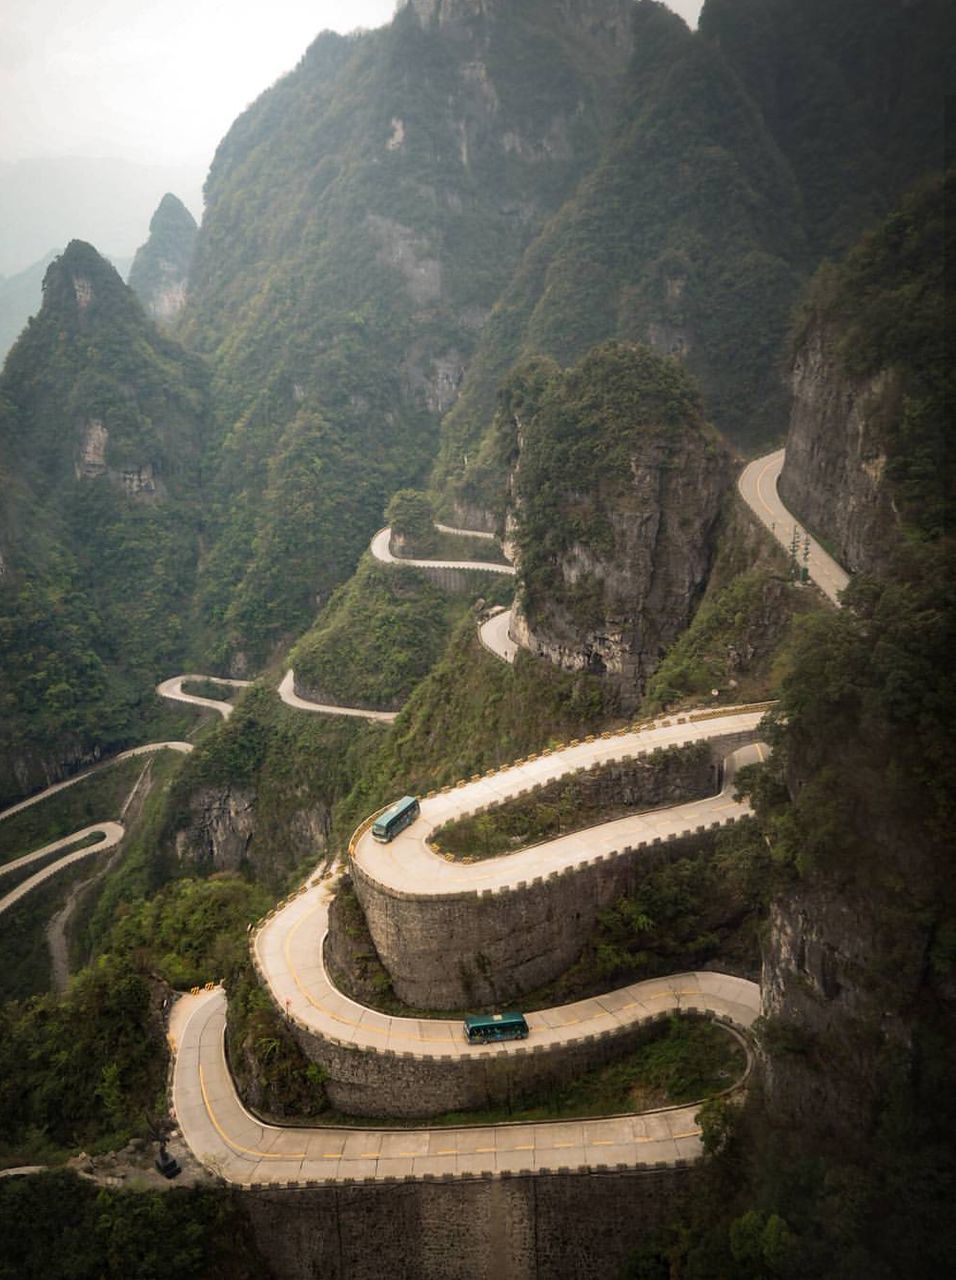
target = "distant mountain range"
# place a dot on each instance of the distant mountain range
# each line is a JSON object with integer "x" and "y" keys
{"x": 109, "y": 202}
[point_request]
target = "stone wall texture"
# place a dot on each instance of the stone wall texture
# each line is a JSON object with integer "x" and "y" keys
{"x": 555, "y": 1226}
{"x": 834, "y": 473}
{"x": 468, "y": 950}
{"x": 384, "y": 1084}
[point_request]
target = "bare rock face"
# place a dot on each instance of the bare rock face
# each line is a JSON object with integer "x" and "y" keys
{"x": 608, "y": 21}
{"x": 161, "y": 267}
{"x": 224, "y": 832}
{"x": 218, "y": 838}
{"x": 833, "y": 478}
{"x": 616, "y": 486}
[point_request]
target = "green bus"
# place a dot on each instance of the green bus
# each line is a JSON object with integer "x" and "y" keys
{"x": 486, "y": 1028}
{"x": 396, "y": 819}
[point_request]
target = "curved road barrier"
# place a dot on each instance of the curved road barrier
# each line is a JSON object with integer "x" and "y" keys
{"x": 464, "y": 533}
{"x": 249, "y": 1153}
{"x": 172, "y": 690}
{"x": 289, "y": 696}
{"x": 111, "y": 834}
{"x": 380, "y": 550}
{"x": 758, "y": 488}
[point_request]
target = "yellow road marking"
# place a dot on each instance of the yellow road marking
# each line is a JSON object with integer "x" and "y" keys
{"x": 237, "y": 1146}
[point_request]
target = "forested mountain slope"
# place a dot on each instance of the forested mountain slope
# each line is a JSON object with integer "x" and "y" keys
{"x": 362, "y": 218}
{"x": 743, "y": 153}
{"x": 101, "y": 430}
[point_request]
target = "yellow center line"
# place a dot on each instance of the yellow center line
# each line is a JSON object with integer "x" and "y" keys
{"x": 237, "y": 1146}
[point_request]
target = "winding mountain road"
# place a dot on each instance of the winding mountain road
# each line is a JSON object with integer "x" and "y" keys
{"x": 247, "y": 1152}
{"x": 288, "y": 953}
{"x": 150, "y": 748}
{"x": 381, "y": 551}
{"x": 172, "y": 690}
{"x": 758, "y": 488}
{"x": 111, "y": 833}
{"x": 289, "y": 696}
{"x": 289, "y": 956}
{"x": 495, "y": 635}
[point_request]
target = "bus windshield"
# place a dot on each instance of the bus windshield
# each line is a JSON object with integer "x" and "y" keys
{"x": 396, "y": 819}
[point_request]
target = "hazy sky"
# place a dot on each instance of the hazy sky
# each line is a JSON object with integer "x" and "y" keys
{"x": 155, "y": 79}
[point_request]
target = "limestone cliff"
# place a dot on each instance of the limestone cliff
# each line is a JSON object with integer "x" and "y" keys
{"x": 834, "y": 478}
{"x": 615, "y": 491}
{"x": 161, "y": 266}
{"x": 867, "y": 457}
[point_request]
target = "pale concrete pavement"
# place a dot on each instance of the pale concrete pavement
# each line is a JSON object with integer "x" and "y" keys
{"x": 173, "y": 691}
{"x": 381, "y": 552}
{"x": 408, "y": 864}
{"x": 247, "y": 1152}
{"x": 289, "y": 696}
{"x": 112, "y": 833}
{"x": 151, "y": 748}
{"x": 758, "y": 488}
{"x": 495, "y": 635}
{"x": 288, "y": 952}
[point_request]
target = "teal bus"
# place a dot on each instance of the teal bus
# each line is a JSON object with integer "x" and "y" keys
{"x": 396, "y": 819}
{"x": 486, "y": 1028}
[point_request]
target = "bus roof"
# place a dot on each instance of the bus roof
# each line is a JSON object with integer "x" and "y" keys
{"x": 398, "y": 807}
{"x": 511, "y": 1019}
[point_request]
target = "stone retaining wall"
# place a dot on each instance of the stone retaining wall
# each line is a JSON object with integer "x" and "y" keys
{"x": 561, "y": 1225}
{"x": 364, "y": 1082}
{"x": 466, "y": 950}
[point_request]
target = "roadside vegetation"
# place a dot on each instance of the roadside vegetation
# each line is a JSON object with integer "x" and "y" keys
{"x": 576, "y": 802}
{"x": 194, "y": 1234}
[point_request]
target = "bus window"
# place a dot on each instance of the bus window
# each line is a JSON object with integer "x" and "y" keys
{"x": 491, "y": 1027}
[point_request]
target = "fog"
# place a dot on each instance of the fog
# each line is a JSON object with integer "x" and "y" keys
{"x": 147, "y": 89}
{"x": 155, "y": 81}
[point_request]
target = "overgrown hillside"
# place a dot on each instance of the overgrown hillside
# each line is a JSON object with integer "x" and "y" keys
{"x": 362, "y": 218}
{"x": 616, "y": 483}
{"x": 101, "y": 432}
{"x": 741, "y": 155}
{"x": 684, "y": 236}
{"x": 873, "y": 348}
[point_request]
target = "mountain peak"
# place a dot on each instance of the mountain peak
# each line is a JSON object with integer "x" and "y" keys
{"x": 80, "y": 277}
{"x": 172, "y": 214}
{"x": 161, "y": 266}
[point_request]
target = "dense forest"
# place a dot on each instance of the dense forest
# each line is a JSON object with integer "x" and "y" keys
{"x": 550, "y": 272}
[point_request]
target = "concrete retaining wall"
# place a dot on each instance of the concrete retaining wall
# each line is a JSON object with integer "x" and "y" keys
{"x": 405, "y": 1086}
{"x": 547, "y": 1226}
{"x": 468, "y": 950}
